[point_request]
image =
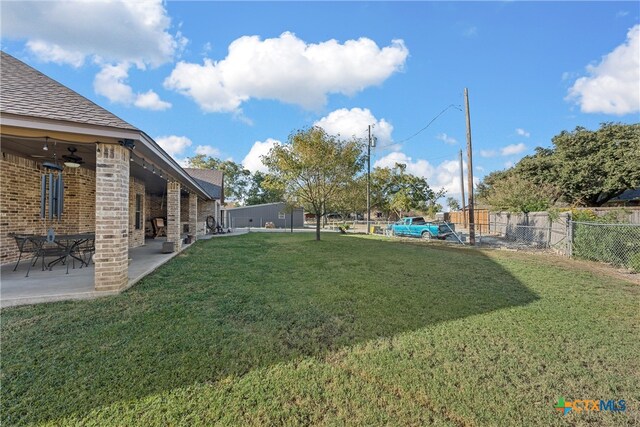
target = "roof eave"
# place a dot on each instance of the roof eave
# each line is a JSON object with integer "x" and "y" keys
{"x": 175, "y": 167}
{"x": 87, "y": 133}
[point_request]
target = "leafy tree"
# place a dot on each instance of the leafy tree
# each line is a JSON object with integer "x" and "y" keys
{"x": 394, "y": 190}
{"x": 236, "y": 177}
{"x": 453, "y": 204}
{"x": 312, "y": 168}
{"x": 433, "y": 208}
{"x": 351, "y": 197}
{"x": 595, "y": 166}
{"x": 486, "y": 187}
{"x": 259, "y": 194}
{"x": 584, "y": 168}
{"x": 515, "y": 193}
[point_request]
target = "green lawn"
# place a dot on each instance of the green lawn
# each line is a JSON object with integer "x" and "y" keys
{"x": 279, "y": 329}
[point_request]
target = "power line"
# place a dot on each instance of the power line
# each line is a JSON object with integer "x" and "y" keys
{"x": 424, "y": 128}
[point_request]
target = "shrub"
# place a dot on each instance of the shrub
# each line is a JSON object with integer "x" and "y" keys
{"x": 343, "y": 228}
{"x": 598, "y": 238}
{"x": 634, "y": 262}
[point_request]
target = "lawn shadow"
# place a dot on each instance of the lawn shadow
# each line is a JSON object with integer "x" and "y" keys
{"x": 229, "y": 306}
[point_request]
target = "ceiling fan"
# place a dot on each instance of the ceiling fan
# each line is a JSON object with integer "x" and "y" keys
{"x": 71, "y": 160}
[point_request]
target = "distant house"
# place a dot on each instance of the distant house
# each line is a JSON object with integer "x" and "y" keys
{"x": 213, "y": 182}
{"x": 627, "y": 199}
{"x": 258, "y": 215}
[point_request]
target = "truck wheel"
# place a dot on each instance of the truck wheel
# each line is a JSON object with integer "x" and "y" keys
{"x": 426, "y": 235}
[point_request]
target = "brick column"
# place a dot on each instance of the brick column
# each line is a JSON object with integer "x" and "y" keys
{"x": 193, "y": 214}
{"x": 112, "y": 217}
{"x": 173, "y": 214}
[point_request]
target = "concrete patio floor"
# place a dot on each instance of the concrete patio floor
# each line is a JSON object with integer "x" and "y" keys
{"x": 56, "y": 285}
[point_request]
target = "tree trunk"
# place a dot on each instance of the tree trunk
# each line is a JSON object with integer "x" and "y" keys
{"x": 318, "y": 220}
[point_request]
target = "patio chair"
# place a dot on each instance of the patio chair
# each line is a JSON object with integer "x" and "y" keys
{"x": 86, "y": 250}
{"x": 158, "y": 227}
{"x": 25, "y": 245}
{"x": 44, "y": 250}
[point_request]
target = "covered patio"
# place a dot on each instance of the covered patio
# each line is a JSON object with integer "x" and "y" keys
{"x": 56, "y": 285}
{"x": 70, "y": 167}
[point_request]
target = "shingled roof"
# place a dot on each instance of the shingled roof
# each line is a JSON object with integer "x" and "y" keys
{"x": 27, "y": 92}
{"x": 209, "y": 179}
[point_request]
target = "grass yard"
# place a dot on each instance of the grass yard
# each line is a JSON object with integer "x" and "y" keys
{"x": 277, "y": 329}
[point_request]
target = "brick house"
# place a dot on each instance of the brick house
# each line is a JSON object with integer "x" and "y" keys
{"x": 124, "y": 178}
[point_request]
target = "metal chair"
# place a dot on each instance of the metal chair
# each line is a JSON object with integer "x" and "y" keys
{"x": 25, "y": 245}
{"x": 87, "y": 248}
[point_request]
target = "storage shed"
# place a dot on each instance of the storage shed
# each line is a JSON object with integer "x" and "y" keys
{"x": 258, "y": 215}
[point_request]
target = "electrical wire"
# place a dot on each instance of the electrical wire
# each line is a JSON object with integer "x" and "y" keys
{"x": 424, "y": 128}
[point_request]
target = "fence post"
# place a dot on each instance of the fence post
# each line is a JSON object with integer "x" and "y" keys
{"x": 569, "y": 236}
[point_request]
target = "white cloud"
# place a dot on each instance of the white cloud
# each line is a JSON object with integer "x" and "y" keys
{"x": 286, "y": 69}
{"x": 207, "y": 150}
{"x": 513, "y": 149}
{"x": 479, "y": 168}
{"x": 508, "y": 164}
{"x": 253, "y": 161}
{"x": 184, "y": 161}
{"x": 111, "y": 82}
{"x": 354, "y": 123}
{"x": 523, "y": 132}
{"x": 488, "y": 153}
{"x": 446, "y": 139}
{"x": 420, "y": 167}
{"x": 613, "y": 85}
{"x": 151, "y": 101}
{"x": 69, "y": 31}
{"x": 54, "y": 53}
{"x": 445, "y": 176}
{"x": 174, "y": 145}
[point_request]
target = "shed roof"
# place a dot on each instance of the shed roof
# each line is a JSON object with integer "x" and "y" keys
{"x": 28, "y": 92}
{"x": 256, "y": 206}
{"x": 627, "y": 195}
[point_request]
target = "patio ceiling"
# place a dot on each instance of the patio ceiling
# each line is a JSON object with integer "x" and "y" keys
{"x": 33, "y": 149}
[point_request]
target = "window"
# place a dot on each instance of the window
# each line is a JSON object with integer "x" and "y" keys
{"x": 138, "y": 212}
{"x": 281, "y": 215}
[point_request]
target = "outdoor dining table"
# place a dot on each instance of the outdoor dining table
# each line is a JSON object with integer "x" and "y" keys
{"x": 63, "y": 247}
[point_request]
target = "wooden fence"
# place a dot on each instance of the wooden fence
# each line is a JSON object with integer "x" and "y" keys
{"x": 480, "y": 216}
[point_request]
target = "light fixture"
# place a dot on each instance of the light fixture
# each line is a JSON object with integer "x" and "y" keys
{"x": 46, "y": 144}
{"x": 71, "y": 160}
{"x": 128, "y": 143}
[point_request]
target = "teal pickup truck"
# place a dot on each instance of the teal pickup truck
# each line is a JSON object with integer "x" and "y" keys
{"x": 416, "y": 226}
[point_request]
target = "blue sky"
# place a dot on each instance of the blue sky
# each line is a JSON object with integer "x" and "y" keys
{"x": 232, "y": 78}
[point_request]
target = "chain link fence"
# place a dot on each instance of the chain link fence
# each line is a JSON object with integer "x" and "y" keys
{"x": 616, "y": 244}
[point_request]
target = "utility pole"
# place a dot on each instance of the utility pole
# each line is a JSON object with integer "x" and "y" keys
{"x": 464, "y": 210}
{"x": 472, "y": 231}
{"x": 369, "y": 181}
